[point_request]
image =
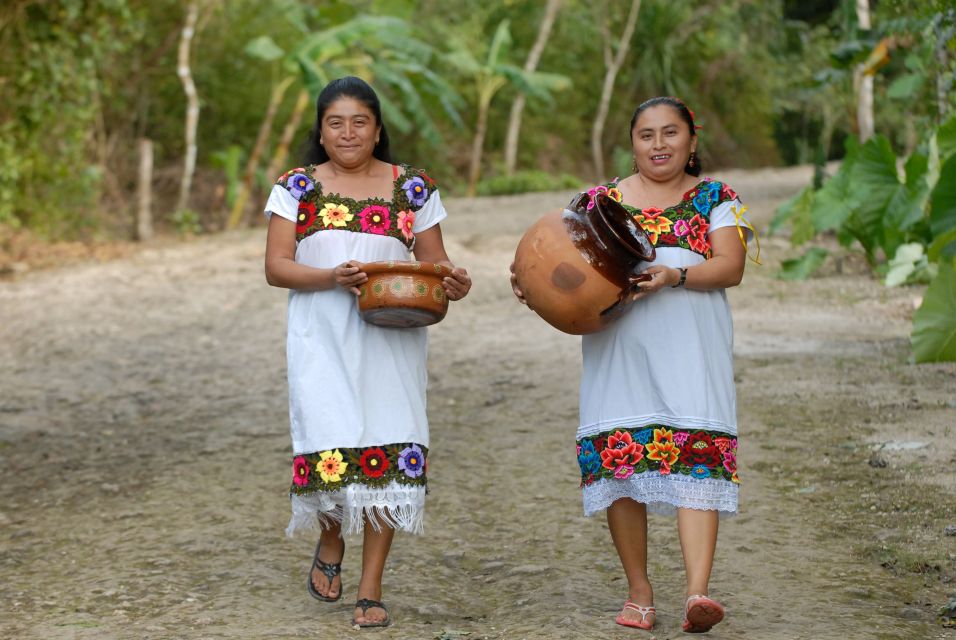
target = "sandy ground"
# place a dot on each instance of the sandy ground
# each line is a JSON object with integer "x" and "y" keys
{"x": 144, "y": 458}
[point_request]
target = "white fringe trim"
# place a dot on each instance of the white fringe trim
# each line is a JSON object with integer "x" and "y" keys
{"x": 395, "y": 506}
{"x": 663, "y": 494}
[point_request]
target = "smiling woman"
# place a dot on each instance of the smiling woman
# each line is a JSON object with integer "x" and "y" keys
{"x": 356, "y": 390}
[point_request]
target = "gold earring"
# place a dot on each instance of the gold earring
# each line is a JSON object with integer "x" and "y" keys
{"x": 634, "y": 166}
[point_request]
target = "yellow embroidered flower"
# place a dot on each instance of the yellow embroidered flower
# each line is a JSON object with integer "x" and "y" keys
{"x": 330, "y": 466}
{"x": 663, "y": 448}
{"x": 615, "y": 194}
{"x": 335, "y": 215}
{"x": 653, "y": 221}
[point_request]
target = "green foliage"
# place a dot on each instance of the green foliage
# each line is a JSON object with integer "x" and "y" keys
{"x": 528, "y": 181}
{"x": 934, "y": 323}
{"x": 803, "y": 267}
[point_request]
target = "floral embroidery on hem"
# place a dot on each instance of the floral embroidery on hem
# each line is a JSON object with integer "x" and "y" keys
{"x": 623, "y": 452}
{"x": 333, "y": 469}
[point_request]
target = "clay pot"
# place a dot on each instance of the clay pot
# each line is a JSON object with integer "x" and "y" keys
{"x": 576, "y": 267}
{"x": 403, "y": 294}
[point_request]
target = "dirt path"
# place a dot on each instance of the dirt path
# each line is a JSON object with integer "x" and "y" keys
{"x": 144, "y": 454}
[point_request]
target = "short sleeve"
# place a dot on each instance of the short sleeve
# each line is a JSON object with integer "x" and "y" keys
{"x": 431, "y": 213}
{"x": 729, "y": 213}
{"x": 282, "y": 203}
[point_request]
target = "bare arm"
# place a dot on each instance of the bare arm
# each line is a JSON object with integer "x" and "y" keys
{"x": 283, "y": 271}
{"x": 724, "y": 269}
{"x": 429, "y": 247}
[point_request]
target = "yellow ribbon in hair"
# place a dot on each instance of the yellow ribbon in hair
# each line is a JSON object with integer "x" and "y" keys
{"x": 740, "y": 219}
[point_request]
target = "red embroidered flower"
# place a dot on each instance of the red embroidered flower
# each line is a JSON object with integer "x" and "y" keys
{"x": 375, "y": 219}
{"x": 600, "y": 443}
{"x": 305, "y": 217}
{"x": 300, "y": 471}
{"x": 374, "y": 462}
{"x": 405, "y": 221}
{"x": 697, "y": 238}
{"x": 700, "y": 449}
{"x": 621, "y": 451}
{"x": 668, "y": 239}
{"x": 726, "y": 193}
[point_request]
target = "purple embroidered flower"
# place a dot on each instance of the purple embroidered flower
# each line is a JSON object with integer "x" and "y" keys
{"x": 416, "y": 191}
{"x": 593, "y": 194}
{"x": 680, "y": 438}
{"x": 299, "y": 185}
{"x": 700, "y": 471}
{"x": 411, "y": 460}
{"x": 681, "y": 228}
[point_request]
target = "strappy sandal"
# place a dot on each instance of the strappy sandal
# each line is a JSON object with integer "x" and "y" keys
{"x": 639, "y": 624}
{"x": 701, "y": 613}
{"x": 330, "y": 570}
{"x": 367, "y": 603}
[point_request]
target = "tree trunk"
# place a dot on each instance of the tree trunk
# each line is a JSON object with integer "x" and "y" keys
{"x": 864, "y": 105}
{"x": 277, "y": 164}
{"x": 474, "y": 172}
{"x": 192, "y": 103}
{"x": 534, "y": 56}
{"x": 144, "y": 211}
{"x": 613, "y": 66}
{"x": 265, "y": 128}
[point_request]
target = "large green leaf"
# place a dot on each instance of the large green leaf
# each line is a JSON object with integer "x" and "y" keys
{"x": 946, "y": 138}
{"x": 796, "y": 211}
{"x": 934, "y": 323}
{"x": 873, "y": 183}
{"x": 943, "y": 199}
{"x": 264, "y": 48}
{"x": 833, "y": 203}
{"x": 803, "y": 267}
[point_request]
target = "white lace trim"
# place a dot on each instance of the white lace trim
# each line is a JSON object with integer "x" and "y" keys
{"x": 396, "y": 506}
{"x": 687, "y": 423}
{"x": 663, "y": 494}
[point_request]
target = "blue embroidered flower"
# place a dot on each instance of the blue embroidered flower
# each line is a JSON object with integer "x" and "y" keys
{"x": 644, "y": 436}
{"x": 416, "y": 191}
{"x": 589, "y": 459}
{"x": 707, "y": 196}
{"x": 299, "y": 185}
{"x": 700, "y": 471}
{"x": 411, "y": 460}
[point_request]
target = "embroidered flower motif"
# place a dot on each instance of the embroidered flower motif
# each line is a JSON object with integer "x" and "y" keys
{"x": 335, "y": 215}
{"x": 653, "y": 221}
{"x": 588, "y": 458}
{"x": 593, "y": 193}
{"x": 405, "y": 221}
{"x": 699, "y": 449}
{"x": 623, "y": 471}
{"x": 411, "y": 460}
{"x": 700, "y": 471}
{"x": 680, "y": 438}
{"x": 305, "y": 217}
{"x": 283, "y": 179}
{"x": 723, "y": 444}
{"x": 299, "y": 185}
{"x": 416, "y": 191}
{"x": 615, "y": 194}
{"x": 374, "y": 462}
{"x": 330, "y": 466}
{"x": 375, "y": 219}
{"x": 668, "y": 239}
{"x": 706, "y": 197}
{"x": 726, "y": 193}
{"x": 621, "y": 451}
{"x": 681, "y": 228}
{"x": 300, "y": 471}
{"x": 663, "y": 449}
{"x": 644, "y": 436}
{"x": 730, "y": 461}
{"x": 697, "y": 239}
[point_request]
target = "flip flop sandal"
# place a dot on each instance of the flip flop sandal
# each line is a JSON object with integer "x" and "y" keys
{"x": 701, "y": 613}
{"x": 365, "y": 604}
{"x": 639, "y": 624}
{"x": 330, "y": 570}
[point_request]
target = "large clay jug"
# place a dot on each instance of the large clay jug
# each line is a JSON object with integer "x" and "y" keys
{"x": 576, "y": 267}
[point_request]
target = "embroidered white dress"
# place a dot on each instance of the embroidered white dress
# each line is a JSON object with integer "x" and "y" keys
{"x": 658, "y": 407}
{"x": 356, "y": 390}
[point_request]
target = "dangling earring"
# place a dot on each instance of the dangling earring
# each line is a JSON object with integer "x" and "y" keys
{"x": 693, "y": 160}
{"x": 634, "y": 166}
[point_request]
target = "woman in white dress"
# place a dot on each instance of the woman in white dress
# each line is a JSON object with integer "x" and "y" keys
{"x": 658, "y": 427}
{"x": 356, "y": 390}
